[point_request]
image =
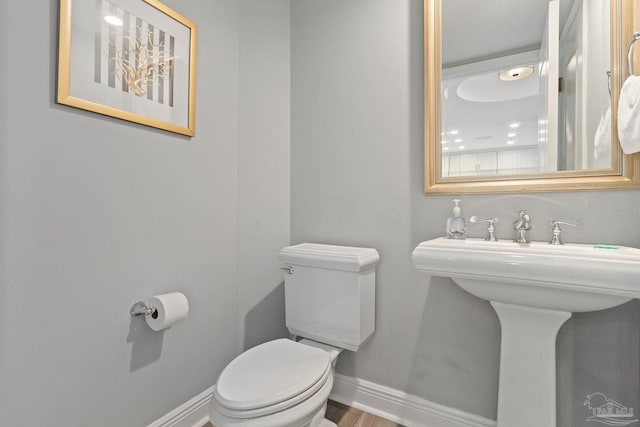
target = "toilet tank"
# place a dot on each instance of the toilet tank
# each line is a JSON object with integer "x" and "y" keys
{"x": 330, "y": 293}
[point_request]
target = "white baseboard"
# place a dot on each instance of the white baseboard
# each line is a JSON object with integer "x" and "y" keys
{"x": 386, "y": 402}
{"x": 194, "y": 413}
{"x": 401, "y": 407}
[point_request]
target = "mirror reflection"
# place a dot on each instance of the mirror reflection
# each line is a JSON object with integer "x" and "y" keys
{"x": 525, "y": 87}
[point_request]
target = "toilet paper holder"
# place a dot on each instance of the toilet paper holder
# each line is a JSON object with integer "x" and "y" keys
{"x": 140, "y": 307}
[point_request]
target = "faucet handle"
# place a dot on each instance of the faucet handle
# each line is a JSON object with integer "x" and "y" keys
{"x": 491, "y": 229}
{"x": 555, "y": 240}
{"x": 553, "y": 223}
{"x": 491, "y": 221}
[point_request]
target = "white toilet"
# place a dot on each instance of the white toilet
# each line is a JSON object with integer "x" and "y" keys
{"x": 330, "y": 302}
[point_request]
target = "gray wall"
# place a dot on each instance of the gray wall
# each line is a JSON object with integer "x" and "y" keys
{"x": 263, "y": 169}
{"x": 96, "y": 213}
{"x": 356, "y": 174}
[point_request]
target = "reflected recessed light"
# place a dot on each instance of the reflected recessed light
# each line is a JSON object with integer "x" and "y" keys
{"x": 444, "y": 141}
{"x": 516, "y": 73}
{"x": 462, "y": 147}
{"x": 514, "y": 125}
{"x": 113, "y": 20}
{"x": 511, "y": 142}
{"x": 542, "y": 131}
{"x": 457, "y": 140}
{"x": 511, "y": 134}
{"x": 445, "y": 148}
{"x": 542, "y": 139}
{"x": 542, "y": 122}
{"x": 453, "y": 132}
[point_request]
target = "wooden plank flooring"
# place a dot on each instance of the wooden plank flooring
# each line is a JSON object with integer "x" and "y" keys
{"x": 345, "y": 416}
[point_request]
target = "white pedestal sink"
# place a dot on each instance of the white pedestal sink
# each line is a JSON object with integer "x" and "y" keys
{"x": 534, "y": 289}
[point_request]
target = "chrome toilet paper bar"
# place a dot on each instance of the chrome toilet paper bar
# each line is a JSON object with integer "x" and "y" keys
{"x": 162, "y": 311}
{"x": 140, "y": 307}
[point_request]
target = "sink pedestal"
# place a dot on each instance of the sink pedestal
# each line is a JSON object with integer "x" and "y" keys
{"x": 527, "y": 391}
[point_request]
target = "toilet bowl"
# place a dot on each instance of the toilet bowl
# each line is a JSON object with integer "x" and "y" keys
{"x": 280, "y": 383}
{"x": 329, "y": 301}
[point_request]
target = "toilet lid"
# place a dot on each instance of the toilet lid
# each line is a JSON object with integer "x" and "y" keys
{"x": 270, "y": 373}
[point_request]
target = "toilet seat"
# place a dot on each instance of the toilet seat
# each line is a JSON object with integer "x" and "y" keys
{"x": 270, "y": 378}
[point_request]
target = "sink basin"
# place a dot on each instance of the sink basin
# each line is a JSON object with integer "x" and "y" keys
{"x": 534, "y": 289}
{"x": 571, "y": 277}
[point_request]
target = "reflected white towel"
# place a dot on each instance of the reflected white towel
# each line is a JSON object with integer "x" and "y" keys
{"x": 629, "y": 115}
{"x": 602, "y": 142}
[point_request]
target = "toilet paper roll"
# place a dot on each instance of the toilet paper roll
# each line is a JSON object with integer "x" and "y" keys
{"x": 170, "y": 309}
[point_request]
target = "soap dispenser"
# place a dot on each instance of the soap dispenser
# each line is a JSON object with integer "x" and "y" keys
{"x": 456, "y": 225}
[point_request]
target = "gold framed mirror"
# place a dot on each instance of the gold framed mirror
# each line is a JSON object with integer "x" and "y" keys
{"x": 561, "y": 135}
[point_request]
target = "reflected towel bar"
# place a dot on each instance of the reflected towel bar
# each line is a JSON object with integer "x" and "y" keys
{"x": 635, "y": 38}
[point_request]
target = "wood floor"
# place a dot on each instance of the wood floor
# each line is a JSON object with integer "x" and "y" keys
{"x": 346, "y": 416}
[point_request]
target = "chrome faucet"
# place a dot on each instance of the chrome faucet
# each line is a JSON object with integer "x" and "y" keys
{"x": 521, "y": 225}
{"x": 555, "y": 240}
{"x": 491, "y": 229}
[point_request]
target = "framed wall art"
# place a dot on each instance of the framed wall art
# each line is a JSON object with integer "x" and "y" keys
{"x": 130, "y": 59}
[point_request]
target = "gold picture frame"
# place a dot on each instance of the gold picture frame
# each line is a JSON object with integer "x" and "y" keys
{"x": 130, "y": 59}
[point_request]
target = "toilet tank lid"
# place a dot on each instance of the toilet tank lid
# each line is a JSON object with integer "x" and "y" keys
{"x": 333, "y": 257}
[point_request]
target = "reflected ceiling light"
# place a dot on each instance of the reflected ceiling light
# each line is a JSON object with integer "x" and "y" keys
{"x": 462, "y": 147}
{"x": 516, "y": 73}
{"x": 542, "y": 139}
{"x": 511, "y": 142}
{"x": 457, "y": 140}
{"x": 542, "y": 122}
{"x": 113, "y": 20}
{"x": 453, "y": 132}
{"x": 445, "y": 148}
{"x": 511, "y": 134}
{"x": 444, "y": 141}
{"x": 514, "y": 125}
{"x": 542, "y": 131}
